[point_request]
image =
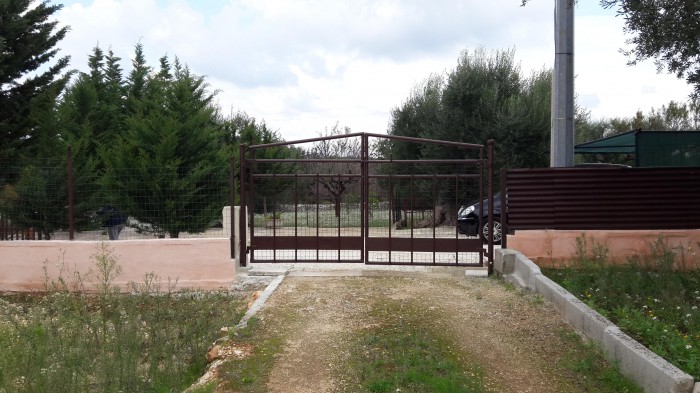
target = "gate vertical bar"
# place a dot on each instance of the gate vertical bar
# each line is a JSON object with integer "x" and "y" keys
{"x": 504, "y": 209}
{"x": 250, "y": 152}
{"x": 490, "y": 144}
{"x": 296, "y": 217}
{"x": 364, "y": 200}
{"x": 232, "y": 201}
{"x": 434, "y": 218}
{"x": 339, "y": 212}
{"x": 482, "y": 164}
{"x": 318, "y": 223}
{"x": 411, "y": 196}
{"x": 391, "y": 197}
{"x": 274, "y": 217}
{"x": 457, "y": 223}
{"x": 71, "y": 185}
{"x": 243, "y": 212}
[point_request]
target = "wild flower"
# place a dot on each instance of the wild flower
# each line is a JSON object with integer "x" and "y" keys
{"x": 688, "y": 346}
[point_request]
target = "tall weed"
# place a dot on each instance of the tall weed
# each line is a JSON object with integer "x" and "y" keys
{"x": 150, "y": 340}
{"x": 654, "y": 297}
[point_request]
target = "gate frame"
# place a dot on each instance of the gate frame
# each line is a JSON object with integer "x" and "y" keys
{"x": 246, "y": 154}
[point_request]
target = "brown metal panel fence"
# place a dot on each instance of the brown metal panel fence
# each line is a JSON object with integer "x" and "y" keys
{"x": 603, "y": 198}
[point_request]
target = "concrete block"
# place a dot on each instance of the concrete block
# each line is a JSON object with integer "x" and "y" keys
{"x": 476, "y": 272}
{"x": 552, "y": 292}
{"x": 697, "y": 387}
{"x": 226, "y": 222}
{"x": 647, "y": 369}
{"x": 504, "y": 261}
{"x": 526, "y": 270}
{"x": 585, "y": 320}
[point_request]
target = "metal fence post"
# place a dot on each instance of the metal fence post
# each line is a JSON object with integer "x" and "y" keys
{"x": 242, "y": 213}
{"x": 490, "y": 144}
{"x": 504, "y": 209}
{"x": 232, "y": 201}
{"x": 71, "y": 222}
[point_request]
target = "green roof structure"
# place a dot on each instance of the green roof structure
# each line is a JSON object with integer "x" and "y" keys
{"x": 651, "y": 148}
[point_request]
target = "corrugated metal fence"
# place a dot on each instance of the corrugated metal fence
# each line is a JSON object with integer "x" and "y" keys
{"x": 603, "y": 198}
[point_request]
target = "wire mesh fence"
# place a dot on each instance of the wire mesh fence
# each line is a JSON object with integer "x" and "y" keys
{"x": 351, "y": 206}
{"x": 45, "y": 199}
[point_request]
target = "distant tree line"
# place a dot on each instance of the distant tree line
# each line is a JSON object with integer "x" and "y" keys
{"x": 152, "y": 142}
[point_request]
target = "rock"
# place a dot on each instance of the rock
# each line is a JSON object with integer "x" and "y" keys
{"x": 213, "y": 353}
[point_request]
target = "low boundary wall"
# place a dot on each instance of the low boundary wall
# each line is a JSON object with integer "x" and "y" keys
{"x": 554, "y": 248}
{"x": 650, "y": 371}
{"x": 201, "y": 264}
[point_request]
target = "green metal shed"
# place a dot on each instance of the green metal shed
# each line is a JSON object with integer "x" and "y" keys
{"x": 651, "y": 148}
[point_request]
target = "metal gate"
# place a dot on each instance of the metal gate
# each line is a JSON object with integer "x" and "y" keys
{"x": 361, "y": 198}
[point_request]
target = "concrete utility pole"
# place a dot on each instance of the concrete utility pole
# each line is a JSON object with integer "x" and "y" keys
{"x": 562, "y": 144}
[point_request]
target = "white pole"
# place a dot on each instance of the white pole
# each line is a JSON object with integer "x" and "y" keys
{"x": 562, "y": 142}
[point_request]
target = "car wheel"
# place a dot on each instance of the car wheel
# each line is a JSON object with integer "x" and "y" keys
{"x": 497, "y": 231}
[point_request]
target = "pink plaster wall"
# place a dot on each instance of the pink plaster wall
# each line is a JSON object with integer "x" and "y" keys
{"x": 195, "y": 263}
{"x": 554, "y": 248}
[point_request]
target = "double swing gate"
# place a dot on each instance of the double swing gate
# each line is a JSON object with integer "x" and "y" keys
{"x": 354, "y": 198}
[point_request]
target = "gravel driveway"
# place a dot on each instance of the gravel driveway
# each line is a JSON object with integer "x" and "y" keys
{"x": 518, "y": 339}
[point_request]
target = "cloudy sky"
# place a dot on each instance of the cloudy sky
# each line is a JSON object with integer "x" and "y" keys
{"x": 305, "y": 65}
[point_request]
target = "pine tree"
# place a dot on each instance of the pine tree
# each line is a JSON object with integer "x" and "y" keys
{"x": 169, "y": 169}
{"x": 27, "y": 42}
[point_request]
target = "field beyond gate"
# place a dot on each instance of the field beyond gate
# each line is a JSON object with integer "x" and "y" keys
{"x": 345, "y": 198}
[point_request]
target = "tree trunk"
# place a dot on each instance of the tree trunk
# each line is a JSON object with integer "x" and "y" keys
{"x": 336, "y": 200}
{"x": 442, "y": 215}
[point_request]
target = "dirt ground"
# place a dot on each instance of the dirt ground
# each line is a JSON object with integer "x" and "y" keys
{"x": 514, "y": 336}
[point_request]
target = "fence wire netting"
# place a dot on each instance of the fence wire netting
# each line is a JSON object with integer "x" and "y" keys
{"x": 119, "y": 203}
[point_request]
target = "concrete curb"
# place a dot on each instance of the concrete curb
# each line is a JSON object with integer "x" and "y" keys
{"x": 648, "y": 370}
{"x": 258, "y": 304}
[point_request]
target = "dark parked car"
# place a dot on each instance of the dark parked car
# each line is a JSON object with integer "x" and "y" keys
{"x": 469, "y": 223}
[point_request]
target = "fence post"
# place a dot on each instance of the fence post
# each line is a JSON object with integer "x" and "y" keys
{"x": 504, "y": 209}
{"x": 231, "y": 183}
{"x": 242, "y": 214}
{"x": 71, "y": 222}
{"x": 490, "y": 144}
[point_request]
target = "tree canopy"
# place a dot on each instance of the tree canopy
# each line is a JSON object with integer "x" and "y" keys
{"x": 667, "y": 31}
{"x": 29, "y": 80}
{"x": 485, "y": 96}
{"x": 167, "y": 167}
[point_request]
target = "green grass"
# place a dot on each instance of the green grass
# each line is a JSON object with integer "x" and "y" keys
{"x": 402, "y": 353}
{"x": 592, "y": 371}
{"x": 251, "y": 373}
{"x": 147, "y": 341}
{"x": 652, "y": 298}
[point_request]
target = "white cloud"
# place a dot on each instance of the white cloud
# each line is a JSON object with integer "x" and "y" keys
{"x": 304, "y": 65}
{"x": 602, "y": 72}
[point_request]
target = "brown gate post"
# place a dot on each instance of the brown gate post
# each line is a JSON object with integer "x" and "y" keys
{"x": 504, "y": 210}
{"x": 71, "y": 221}
{"x": 490, "y": 144}
{"x": 232, "y": 201}
{"x": 243, "y": 211}
{"x": 364, "y": 205}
